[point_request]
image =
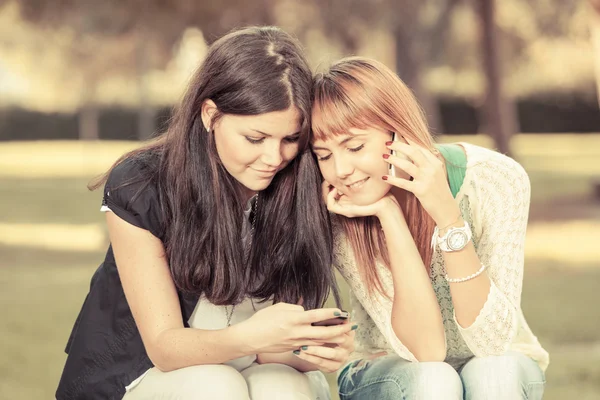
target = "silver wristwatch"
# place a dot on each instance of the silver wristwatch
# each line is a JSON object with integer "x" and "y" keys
{"x": 454, "y": 240}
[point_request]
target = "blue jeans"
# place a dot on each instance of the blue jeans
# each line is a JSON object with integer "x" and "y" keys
{"x": 512, "y": 376}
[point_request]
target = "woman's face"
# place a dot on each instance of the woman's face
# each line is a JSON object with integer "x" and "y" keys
{"x": 254, "y": 148}
{"x": 353, "y": 163}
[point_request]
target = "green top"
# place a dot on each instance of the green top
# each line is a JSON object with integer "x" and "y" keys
{"x": 456, "y": 165}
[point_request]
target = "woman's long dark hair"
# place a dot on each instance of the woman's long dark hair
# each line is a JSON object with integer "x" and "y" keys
{"x": 247, "y": 72}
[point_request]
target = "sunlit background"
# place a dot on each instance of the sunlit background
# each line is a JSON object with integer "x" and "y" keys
{"x": 82, "y": 81}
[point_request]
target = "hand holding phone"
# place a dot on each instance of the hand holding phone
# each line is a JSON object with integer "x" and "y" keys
{"x": 333, "y": 321}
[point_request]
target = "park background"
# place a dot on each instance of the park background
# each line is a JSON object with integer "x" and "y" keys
{"x": 83, "y": 81}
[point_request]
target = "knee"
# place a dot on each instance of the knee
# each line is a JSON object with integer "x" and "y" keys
{"x": 221, "y": 381}
{"x": 436, "y": 380}
{"x": 500, "y": 377}
{"x": 277, "y": 381}
{"x": 422, "y": 380}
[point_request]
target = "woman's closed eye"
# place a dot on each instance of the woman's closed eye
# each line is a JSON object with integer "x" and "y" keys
{"x": 292, "y": 139}
{"x": 255, "y": 140}
{"x": 352, "y": 149}
{"x": 355, "y": 149}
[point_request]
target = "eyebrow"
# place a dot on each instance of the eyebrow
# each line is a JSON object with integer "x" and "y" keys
{"x": 348, "y": 138}
{"x": 266, "y": 134}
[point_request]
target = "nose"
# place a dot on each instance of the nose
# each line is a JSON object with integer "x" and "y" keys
{"x": 272, "y": 155}
{"x": 343, "y": 168}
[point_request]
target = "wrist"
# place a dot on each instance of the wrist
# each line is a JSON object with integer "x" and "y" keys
{"x": 449, "y": 218}
{"x": 389, "y": 209}
{"x": 242, "y": 342}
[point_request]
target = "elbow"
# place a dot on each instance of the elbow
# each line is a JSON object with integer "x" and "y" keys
{"x": 163, "y": 366}
{"x": 160, "y": 360}
{"x": 160, "y": 356}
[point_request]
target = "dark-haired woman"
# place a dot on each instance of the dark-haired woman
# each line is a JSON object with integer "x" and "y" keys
{"x": 219, "y": 260}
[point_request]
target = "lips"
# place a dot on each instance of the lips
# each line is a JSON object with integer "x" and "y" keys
{"x": 357, "y": 184}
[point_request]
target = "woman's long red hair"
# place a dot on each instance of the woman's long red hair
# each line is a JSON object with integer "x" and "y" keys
{"x": 359, "y": 93}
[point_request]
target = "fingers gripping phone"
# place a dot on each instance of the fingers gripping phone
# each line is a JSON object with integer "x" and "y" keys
{"x": 331, "y": 321}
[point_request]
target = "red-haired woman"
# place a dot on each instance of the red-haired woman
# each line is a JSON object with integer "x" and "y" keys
{"x": 433, "y": 252}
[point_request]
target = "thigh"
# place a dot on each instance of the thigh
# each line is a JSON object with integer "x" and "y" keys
{"x": 277, "y": 381}
{"x": 391, "y": 377}
{"x": 509, "y": 376}
{"x": 191, "y": 383}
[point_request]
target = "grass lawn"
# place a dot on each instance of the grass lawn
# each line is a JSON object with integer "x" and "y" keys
{"x": 43, "y": 282}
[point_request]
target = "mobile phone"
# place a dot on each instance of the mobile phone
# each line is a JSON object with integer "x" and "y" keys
{"x": 331, "y": 321}
{"x": 392, "y": 169}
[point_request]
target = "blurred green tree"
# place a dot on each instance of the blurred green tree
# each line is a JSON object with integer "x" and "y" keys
{"x": 131, "y": 37}
{"x": 595, "y": 33}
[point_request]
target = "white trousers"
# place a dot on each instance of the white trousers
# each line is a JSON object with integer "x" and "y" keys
{"x": 207, "y": 382}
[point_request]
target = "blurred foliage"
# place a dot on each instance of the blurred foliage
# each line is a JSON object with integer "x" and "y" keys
{"x": 545, "y": 44}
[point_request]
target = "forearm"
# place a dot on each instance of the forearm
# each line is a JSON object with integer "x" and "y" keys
{"x": 468, "y": 297}
{"x": 287, "y": 358}
{"x": 416, "y": 315}
{"x": 183, "y": 347}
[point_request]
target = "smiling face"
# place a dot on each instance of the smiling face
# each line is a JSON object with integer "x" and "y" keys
{"x": 253, "y": 148}
{"x": 353, "y": 163}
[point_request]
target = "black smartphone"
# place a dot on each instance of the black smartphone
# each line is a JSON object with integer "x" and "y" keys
{"x": 392, "y": 169}
{"x": 331, "y": 321}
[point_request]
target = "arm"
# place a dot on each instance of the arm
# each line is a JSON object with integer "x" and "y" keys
{"x": 287, "y": 358}
{"x": 503, "y": 195}
{"x": 152, "y": 297}
{"x": 411, "y": 321}
{"x": 486, "y": 308}
{"x": 416, "y": 317}
{"x": 470, "y": 296}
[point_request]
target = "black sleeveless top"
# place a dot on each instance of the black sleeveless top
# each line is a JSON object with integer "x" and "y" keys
{"x": 105, "y": 350}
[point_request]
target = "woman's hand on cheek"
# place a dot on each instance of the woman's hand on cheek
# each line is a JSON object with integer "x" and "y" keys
{"x": 429, "y": 182}
{"x": 338, "y": 203}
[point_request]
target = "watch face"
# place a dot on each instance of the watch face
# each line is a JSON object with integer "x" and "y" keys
{"x": 457, "y": 240}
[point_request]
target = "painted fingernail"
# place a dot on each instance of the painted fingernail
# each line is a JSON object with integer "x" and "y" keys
{"x": 388, "y": 143}
{"x": 354, "y": 327}
{"x": 304, "y": 348}
{"x": 385, "y": 178}
{"x": 386, "y": 156}
{"x": 296, "y": 352}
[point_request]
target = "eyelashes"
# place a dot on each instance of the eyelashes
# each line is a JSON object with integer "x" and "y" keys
{"x": 355, "y": 149}
{"x": 352, "y": 149}
{"x": 292, "y": 139}
{"x": 254, "y": 141}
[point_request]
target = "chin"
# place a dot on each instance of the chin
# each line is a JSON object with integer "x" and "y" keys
{"x": 257, "y": 185}
{"x": 368, "y": 197}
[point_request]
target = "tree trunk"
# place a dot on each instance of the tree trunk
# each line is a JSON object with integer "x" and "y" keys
{"x": 499, "y": 116}
{"x": 409, "y": 64}
{"x": 88, "y": 112}
{"x": 595, "y": 36}
{"x": 146, "y": 111}
{"x": 88, "y": 122}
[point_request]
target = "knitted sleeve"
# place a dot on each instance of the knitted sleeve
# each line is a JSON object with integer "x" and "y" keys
{"x": 503, "y": 193}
